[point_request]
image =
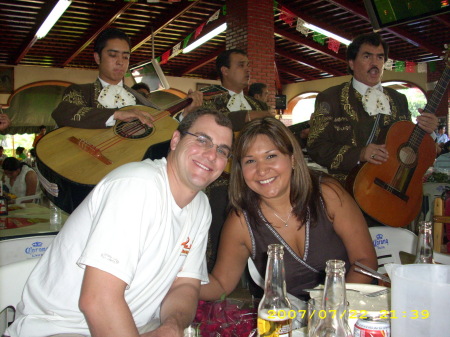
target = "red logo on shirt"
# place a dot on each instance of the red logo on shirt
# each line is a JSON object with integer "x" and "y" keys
{"x": 186, "y": 247}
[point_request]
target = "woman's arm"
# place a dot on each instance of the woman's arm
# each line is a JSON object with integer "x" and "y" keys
{"x": 231, "y": 259}
{"x": 31, "y": 182}
{"x": 350, "y": 225}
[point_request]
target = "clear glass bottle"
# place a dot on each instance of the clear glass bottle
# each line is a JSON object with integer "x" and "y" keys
{"x": 55, "y": 217}
{"x": 274, "y": 308}
{"x": 424, "y": 252}
{"x": 333, "y": 319}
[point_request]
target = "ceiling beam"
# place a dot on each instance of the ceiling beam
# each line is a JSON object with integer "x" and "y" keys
{"x": 32, "y": 38}
{"x": 308, "y": 62}
{"x": 295, "y": 73}
{"x": 179, "y": 8}
{"x": 296, "y": 38}
{"x": 200, "y": 63}
{"x": 118, "y": 10}
{"x": 400, "y": 33}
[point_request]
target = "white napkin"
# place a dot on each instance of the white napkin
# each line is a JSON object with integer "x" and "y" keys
{"x": 376, "y": 102}
{"x": 115, "y": 96}
{"x": 238, "y": 102}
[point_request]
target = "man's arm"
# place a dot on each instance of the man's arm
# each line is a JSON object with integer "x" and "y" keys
{"x": 103, "y": 304}
{"x": 78, "y": 109}
{"x": 178, "y": 308}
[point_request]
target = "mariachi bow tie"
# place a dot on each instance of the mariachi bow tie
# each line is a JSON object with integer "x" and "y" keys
{"x": 376, "y": 102}
{"x": 115, "y": 96}
{"x": 236, "y": 102}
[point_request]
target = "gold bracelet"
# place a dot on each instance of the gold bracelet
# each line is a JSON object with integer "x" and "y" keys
{"x": 248, "y": 115}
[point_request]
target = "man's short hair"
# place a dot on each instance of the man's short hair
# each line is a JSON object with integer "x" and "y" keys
{"x": 373, "y": 39}
{"x": 140, "y": 85}
{"x": 256, "y": 88}
{"x": 109, "y": 34}
{"x": 191, "y": 117}
{"x": 223, "y": 60}
{"x": 441, "y": 127}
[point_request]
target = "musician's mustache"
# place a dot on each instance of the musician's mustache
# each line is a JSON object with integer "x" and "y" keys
{"x": 374, "y": 68}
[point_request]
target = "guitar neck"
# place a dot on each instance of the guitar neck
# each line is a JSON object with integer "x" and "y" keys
{"x": 207, "y": 91}
{"x": 438, "y": 92}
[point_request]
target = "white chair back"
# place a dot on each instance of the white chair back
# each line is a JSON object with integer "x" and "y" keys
{"x": 441, "y": 258}
{"x": 30, "y": 247}
{"x": 12, "y": 281}
{"x": 35, "y": 198}
{"x": 389, "y": 241}
{"x": 431, "y": 191}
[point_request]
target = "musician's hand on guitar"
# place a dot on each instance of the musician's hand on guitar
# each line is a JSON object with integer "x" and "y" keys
{"x": 197, "y": 101}
{"x": 374, "y": 153}
{"x": 132, "y": 114}
{"x": 427, "y": 121}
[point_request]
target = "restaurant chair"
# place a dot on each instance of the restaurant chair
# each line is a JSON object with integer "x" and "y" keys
{"x": 23, "y": 248}
{"x": 12, "y": 281}
{"x": 441, "y": 258}
{"x": 430, "y": 192}
{"x": 35, "y": 198}
{"x": 389, "y": 242}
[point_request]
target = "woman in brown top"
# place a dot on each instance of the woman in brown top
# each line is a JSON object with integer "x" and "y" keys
{"x": 275, "y": 198}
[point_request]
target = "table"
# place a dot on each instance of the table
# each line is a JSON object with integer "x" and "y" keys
{"x": 30, "y": 240}
{"x": 29, "y": 211}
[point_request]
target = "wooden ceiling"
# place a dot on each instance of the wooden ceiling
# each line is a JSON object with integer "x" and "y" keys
{"x": 69, "y": 44}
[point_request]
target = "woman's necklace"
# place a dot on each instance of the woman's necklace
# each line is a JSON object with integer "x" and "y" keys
{"x": 279, "y": 217}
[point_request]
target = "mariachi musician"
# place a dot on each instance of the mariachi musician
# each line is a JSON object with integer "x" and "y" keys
{"x": 97, "y": 105}
{"x": 349, "y": 117}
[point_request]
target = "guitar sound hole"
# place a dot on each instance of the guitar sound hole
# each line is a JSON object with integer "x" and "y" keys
{"x": 407, "y": 156}
{"x": 133, "y": 130}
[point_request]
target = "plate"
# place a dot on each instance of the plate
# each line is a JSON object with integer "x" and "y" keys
{"x": 358, "y": 302}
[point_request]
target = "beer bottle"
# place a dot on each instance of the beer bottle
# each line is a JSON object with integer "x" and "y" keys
{"x": 333, "y": 316}
{"x": 274, "y": 309}
{"x": 424, "y": 252}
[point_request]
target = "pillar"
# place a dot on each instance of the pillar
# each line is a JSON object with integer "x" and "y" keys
{"x": 250, "y": 26}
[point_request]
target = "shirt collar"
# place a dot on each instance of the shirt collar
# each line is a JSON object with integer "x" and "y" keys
{"x": 104, "y": 83}
{"x": 362, "y": 88}
{"x": 231, "y": 92}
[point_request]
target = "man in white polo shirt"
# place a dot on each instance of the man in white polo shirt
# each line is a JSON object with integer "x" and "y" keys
{"x": 130, "y": 259}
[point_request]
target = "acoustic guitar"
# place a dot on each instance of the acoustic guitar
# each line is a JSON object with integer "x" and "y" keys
{"x": 71, "y": 161}
{"x": 391, "y": 193}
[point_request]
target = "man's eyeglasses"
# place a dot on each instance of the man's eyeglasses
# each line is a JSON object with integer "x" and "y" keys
{"x": 203, "y": 141}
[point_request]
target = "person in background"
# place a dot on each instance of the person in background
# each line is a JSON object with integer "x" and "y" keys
{"x": 442, "y": 137}
{"x": 345, "y": 115}
{"x": 97, "y": 105}
{"x": 2, "y": 155}
{"x": 42, "y": 132}
{"x": 143, "y": 89}
{"x": 275, "y": 198}
{"x": 259, "y": 91}
{"x": 233, "y": 69}
{"x": 20, "y": 153}
{"x": 137, "y": 245}
{"x": 5, "y": 122}
{"x": 31, "y": 160}
{"x": 234, "y": 72}
{"x": 20, "y": 179}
